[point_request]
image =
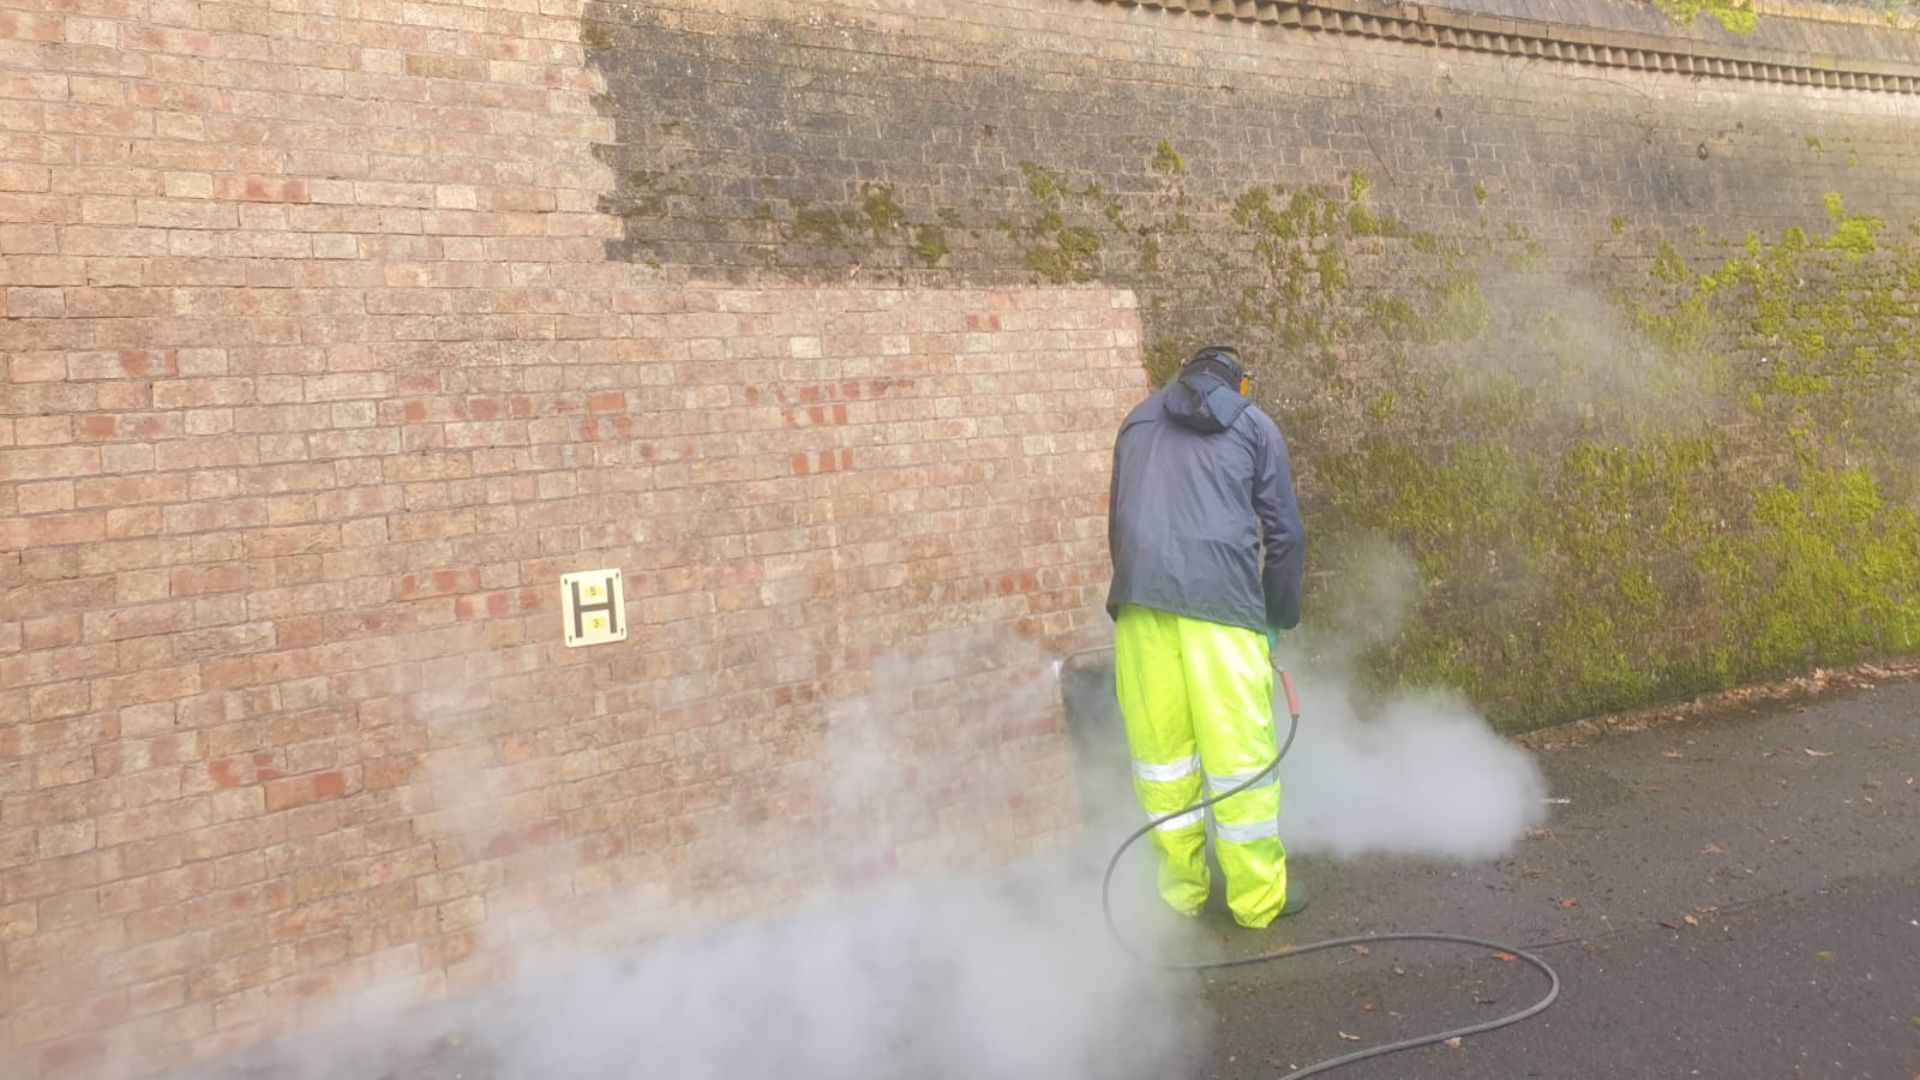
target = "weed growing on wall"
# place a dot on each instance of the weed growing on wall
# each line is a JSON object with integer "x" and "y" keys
{"x": 1736, "y": 16}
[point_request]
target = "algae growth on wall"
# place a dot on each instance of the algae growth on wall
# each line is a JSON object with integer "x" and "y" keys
{"x": 1620, "y": 368}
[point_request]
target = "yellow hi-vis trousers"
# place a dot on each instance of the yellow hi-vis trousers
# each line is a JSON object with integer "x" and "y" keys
{"x": 1197, "y": 699}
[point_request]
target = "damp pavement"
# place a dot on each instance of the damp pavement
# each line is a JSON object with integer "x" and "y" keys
{"x": 1732, "y": 896}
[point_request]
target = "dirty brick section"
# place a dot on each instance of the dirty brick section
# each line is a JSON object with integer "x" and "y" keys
{"x": 335, "y": 333}
{"x": 1608, "y": 326}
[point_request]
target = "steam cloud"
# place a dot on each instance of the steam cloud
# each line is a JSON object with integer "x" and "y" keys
{"x": 1425, "y": 777}
{"x": 962, "y": 978}
{"x": 967, "y": 974}
{"x": 1417, "y": 774}
{"x": 1005, "y": 973}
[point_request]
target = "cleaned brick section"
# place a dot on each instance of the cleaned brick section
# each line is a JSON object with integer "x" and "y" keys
{"x": 300, "y": 678}
{"x": 314, "y": 379}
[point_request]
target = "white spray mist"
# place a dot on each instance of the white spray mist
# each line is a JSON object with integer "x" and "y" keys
{"x": 991, "y": 971}
{"x": 1418, "y": 774}
{"x": 1426, "y": 776}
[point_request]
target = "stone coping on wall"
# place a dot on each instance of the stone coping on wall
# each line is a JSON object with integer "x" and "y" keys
{"x": 1799, "y": 52}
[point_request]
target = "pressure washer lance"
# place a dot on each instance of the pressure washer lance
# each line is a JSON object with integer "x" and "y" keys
{"x": 1291, "y": 951}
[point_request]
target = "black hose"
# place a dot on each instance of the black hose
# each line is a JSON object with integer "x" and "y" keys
{"x": 1293, "y": 728}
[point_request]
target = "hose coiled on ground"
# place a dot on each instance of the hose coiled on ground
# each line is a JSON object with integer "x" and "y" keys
{"x": 1293, "y": 729}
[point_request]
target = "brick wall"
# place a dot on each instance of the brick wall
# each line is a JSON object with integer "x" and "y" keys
{"x": 809, "y": 137}
{"x": 316, "y": 380}
{"x": 334, "y": 331}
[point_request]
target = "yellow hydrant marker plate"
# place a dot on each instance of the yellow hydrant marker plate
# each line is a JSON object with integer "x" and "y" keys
{"x": 593, "y": 607}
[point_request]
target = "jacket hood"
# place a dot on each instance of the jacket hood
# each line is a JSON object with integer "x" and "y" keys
{"x": 1204, "y": 402}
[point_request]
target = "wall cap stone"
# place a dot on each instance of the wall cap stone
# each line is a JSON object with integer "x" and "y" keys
{"x": 1473, "y": 31}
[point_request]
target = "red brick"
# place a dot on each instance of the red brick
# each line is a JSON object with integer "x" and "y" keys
{"x": 69, "y": 1056}
{"x": 260, "y": 189}
{"x": 76, "y": 528}
{"x": 290, "y": 529}
{"x": 304, "y": 790}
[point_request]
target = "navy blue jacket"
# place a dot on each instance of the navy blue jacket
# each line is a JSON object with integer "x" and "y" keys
{"x": 1202, "y": 520}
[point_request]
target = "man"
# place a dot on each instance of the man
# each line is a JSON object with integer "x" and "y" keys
{"x": 1207, "y": 550}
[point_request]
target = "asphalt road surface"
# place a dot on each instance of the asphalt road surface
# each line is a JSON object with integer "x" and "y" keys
{"x": 1732, "y": 897}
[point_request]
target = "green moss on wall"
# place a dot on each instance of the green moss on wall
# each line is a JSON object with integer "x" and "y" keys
{"x": 1163, "y": 359}
{"x": 1735, "y": 16}
{"x": 1460, "y": 312}
{"x": 1167, "y": 161}
{"x": 930, "y": 244}
{"x": 879, "y": 208}
{"x": 816, "y": 225}
{"x": 1069, "y": 254}
{"x": 1058, "y": 250}
{"x": 1742, "y": 506}
{"x": 1659, "y": 557}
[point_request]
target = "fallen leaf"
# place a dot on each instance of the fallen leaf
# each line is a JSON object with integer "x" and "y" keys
{"x": 1826, "y": 954}
{"x": 1361, "y": 949}
{"x": 1671, "y": 754}
{"x": 1372, "y": 1006}
{"x": 1505, "y": 957}
{"x": 1811, "y": 752}
{"x": 1690, "y": 920}
{"x": 1569, "y": 902}
{"x": 1713, "y": 849}
{"x": 1454, "y": 1044}
{"x": 1398, "y": 970}
{"x": 1668, "y": 925}
{"x": 1349, "y": 1038}
{"x": 1706, "y": 909}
